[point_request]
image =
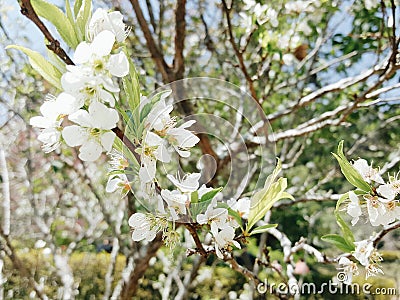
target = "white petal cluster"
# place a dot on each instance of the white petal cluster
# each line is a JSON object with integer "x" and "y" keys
{"x": 92, "y": 77}
{"x": 118, "y": 182}
{"x": 92, "y": 131}
{"x": 142, "y": 229}
{"x": 367, "y": 256}
{"x": 161, "y": 136}
{"x": 349, "y": 268}
{"x": 112, "y": 21}
{"x": 222, "y": 227}
{"x": 89, "y": 92}
{"x": 381, "y": 207}
{"x": 178, "y": 200}
{"x": 367, "y": 172}
{"x": 53, "y": 111}
{"x": 242, "y": 206}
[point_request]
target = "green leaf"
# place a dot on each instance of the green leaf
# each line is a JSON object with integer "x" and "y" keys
{"x": 55, "y": 16}
{"x": 68, "y": 12}
{"x": 77, "y": 6}
{"x": 263, "y": 228}
{"x": 209, "y": 195}
{"x": 41, "y": 65}
{"x": 347, "y": 233}
{"x": 194, "y": 197}
{"x": 349, "y": 172}
{"x": 262, "y": 201}
{"x": 338, "y": 241}
{"x": 342, "y": 198}
{"x": 82, "y": 18}
{"x": 131, "y": 85}
{"x": 145, "y": 111}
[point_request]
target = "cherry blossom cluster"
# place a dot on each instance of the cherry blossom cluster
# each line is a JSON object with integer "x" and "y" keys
{"x": 380, "y": 207}
{"x": 366, "y": 254}
{"x": 187, "y": 201}
{"x": 89, "y": 91}
{"x": 84, "y": 115}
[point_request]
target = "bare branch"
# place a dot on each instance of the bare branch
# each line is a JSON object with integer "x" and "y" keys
{"x": 384, "y": 232}
{"x": 156, "y": 54}
{"x": 238, "y": 53}
{"x": 130, "y": 287}
{"x": 180, "y": 30}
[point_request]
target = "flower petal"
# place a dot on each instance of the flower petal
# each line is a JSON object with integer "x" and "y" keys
{"x": 90, "y": 151}
{"x": 82, "y": 118}
{"x": 107, "y": 140}
{"x": 102, "y": 116}
{"x": 118, "y": 65}
{"x": 82, "y": 53}
{"x": 74, "y": 135}
{"x": 103, "y": 43}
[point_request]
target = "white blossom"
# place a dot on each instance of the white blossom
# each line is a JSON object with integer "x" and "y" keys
{"x": 372, "y": 270}
{"x": 118, "y": 181}
{"x": 213, "y": 215}
{"x": 97, "y": 55}
{"x": 370, "y": 4}
{"x": 188, "y": 184}
{"x": 182, "y": 139}
{"x": 53, "y": 113}
{"x": 242, "y": 206}
{"x": 354, "y": 208}
{"x": 376, "y": 211}
{"x": 93, "y": 133}
{"x": 392, "y": 212}
{"x": 141, "y": 228}
{"x": 177, "y": 202}
{"x": 159, "y": 118}
{"x": 87, "y": 87}
{"x": 367, "y": 172}
{"x": 112, "y": 21}
{"x": 390, "y": 190}
{"x": 363, "y": 251}
{"x": 223, "y": 237}
{"x": 153, "y": 149}
{"x": 349, "y": 268}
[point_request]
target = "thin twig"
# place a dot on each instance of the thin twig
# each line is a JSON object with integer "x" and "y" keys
{"x": 238, "y": 53}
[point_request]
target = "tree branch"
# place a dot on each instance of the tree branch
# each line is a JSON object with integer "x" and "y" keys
{"x": 54, "y": 45}
{"x": 130, "y": 287}
{"x": 180, "y": 30}
{"x": 156, "y": 54}
{"x": 192, "y": 229}
{"x": 384, "y": 232}
{"x": 238, "y": 53}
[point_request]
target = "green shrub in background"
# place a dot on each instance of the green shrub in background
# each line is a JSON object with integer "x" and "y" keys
{"x": 215, "y": 280}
